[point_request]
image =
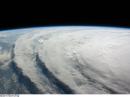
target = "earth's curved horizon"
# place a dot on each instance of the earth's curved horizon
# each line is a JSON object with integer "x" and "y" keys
{"x": 65, "y": 60}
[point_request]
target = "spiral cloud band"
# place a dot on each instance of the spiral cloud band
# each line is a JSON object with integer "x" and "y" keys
{"x": 67, "y": 60}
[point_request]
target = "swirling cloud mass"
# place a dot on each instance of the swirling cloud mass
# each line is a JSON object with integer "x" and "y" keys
{"x": 65, "y": 60}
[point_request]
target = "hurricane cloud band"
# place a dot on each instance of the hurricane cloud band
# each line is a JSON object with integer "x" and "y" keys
{"x": 74, "y": 59}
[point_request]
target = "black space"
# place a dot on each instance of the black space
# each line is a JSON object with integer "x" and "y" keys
{"x": 57, "y": 17}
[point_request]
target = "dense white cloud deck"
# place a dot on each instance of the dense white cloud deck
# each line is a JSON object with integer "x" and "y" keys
{"x": 68, "y": 59}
